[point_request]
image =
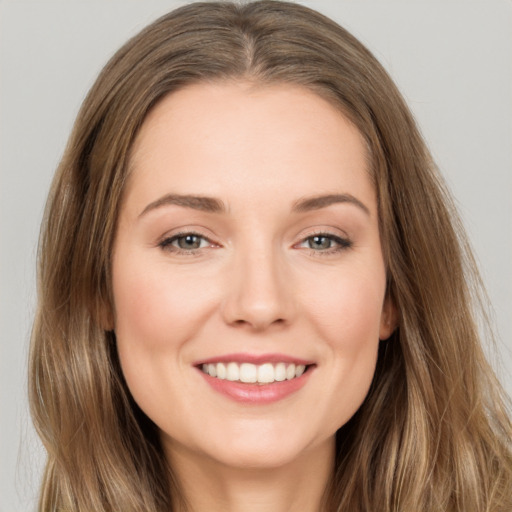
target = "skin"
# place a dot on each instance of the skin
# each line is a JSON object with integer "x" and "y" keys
{"x": 257, "y": 284}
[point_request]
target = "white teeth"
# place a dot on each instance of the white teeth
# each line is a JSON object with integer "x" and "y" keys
{"x": 266, "y": 373}
{"x": 280, "y": 372}
{"x": 290, "y": 372}
{"x": 221, "y": 371}
{"x": 248, "y": 372}
{"x": 212, "y": 370}
{"x": 232, "y": 372}
{"x": 251, "y": 373}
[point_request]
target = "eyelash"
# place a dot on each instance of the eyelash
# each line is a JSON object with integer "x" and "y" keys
{"x": 166, "y": 244}
{"x": 340, "y": 244}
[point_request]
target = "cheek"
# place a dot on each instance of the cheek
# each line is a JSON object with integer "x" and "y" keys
{"x": 156, "y": 312}
{"x": 348, "y": 319}
{"x": 353, "y": 331}
{"x": 349, "y": 313}
{"x": 154, "y": 309}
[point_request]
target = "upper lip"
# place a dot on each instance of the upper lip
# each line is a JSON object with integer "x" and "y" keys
{"x": 254, "y": 359}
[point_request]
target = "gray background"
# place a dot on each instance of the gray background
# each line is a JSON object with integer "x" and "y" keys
{"x": 451, "y": 59}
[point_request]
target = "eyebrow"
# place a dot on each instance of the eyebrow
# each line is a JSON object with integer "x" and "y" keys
{"x": 213, "y": 205}
{"x": 203, "y": 203}
{"x": 308, "y": 204}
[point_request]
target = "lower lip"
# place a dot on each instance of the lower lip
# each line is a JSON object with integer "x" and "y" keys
{"x": 257, "y": 393}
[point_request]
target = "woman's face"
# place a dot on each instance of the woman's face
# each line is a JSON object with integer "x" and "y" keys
{"x": 247, "y": 248}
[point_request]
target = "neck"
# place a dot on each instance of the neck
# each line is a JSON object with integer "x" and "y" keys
{"x": 210, "y": 486}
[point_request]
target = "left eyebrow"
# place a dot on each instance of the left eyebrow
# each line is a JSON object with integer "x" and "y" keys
{"x": 308, "y": 204}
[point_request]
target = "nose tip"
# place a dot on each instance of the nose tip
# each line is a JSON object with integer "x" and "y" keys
{"x": 258, "y": 296}
{"x": 257, "y": 318}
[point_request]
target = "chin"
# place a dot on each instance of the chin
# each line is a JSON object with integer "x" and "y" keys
{"x": 265, "y": 449}
{"x": 256, "y": 458}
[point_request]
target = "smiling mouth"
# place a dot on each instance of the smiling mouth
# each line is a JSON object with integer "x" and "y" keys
{"x": 249, "y": 373}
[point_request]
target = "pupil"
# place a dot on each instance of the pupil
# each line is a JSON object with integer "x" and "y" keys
{"x": 320, "y": 242}
{"x": 189, "y": 242}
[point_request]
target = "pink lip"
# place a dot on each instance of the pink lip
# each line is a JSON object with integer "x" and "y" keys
{"x": 254, "y": 359}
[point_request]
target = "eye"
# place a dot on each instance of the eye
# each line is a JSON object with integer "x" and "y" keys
{"x": 185, "y": 242}
{"x": 325, "y": 242}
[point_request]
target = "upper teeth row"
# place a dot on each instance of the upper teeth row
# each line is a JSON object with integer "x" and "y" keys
{"x": 250, "y": 373}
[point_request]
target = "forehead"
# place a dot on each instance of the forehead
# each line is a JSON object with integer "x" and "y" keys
{"x": 215, "y": 138}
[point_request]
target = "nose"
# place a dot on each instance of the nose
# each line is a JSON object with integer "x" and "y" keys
{"x": 259, "y": 292}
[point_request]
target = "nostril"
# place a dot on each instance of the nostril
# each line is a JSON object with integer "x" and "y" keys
{"x": 258, "y": 323}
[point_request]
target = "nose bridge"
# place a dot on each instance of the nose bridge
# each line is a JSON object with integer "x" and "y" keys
{"x": 258, "y": 291}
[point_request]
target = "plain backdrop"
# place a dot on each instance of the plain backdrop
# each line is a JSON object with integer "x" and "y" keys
{"x": 451, "y": 59}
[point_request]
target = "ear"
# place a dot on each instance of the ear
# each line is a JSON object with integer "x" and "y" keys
{"x": 388, "y": 318}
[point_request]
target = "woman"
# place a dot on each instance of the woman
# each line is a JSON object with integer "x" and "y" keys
{"x": 254, "y": 291}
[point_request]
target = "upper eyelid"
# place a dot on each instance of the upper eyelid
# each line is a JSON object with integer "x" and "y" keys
{"x": 181, "y": 233}
{"x": 326, "y": 235}
{"x": 332, "y": 236}
{"x": 167, "y": 242}
{"x": 184, "y": 235}
{"x": 330, "y": 232}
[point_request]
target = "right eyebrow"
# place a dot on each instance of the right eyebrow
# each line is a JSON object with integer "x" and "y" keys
{"x": 203, "y": 203}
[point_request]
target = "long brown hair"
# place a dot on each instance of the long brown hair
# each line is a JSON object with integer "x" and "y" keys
{"x": 433, "y": 433}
